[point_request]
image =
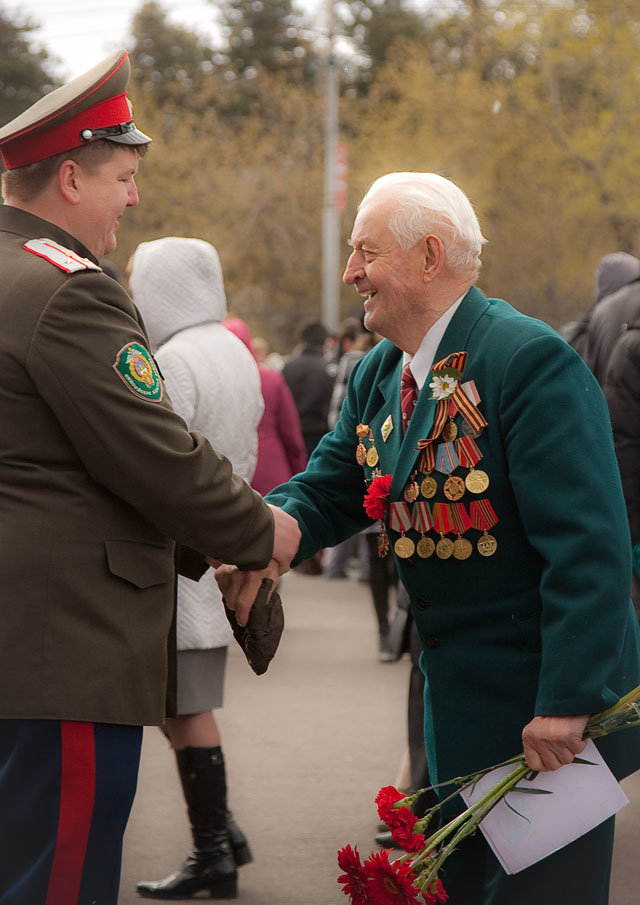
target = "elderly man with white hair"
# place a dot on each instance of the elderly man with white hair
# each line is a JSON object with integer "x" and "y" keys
{"x": 481, "y": 442}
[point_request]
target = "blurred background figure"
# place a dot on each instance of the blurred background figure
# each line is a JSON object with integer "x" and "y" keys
{"x": 281, "y": 449}
{"x": 309, "y": 378}
{"x": 608, "y": 339}
{"x": 413, "y": 771}
{"x": 350, "y": 329}
{"x": 380, "y": 573}
{"x": 264, "y": 356}
{"x": 618, "y": 303}
{"x": 591, "y": 335}
{"x": 214, "y": 384}
{"x": 260, "y": 347}
{"x": 355, "y": 342}
{"x": 310, "y": 383}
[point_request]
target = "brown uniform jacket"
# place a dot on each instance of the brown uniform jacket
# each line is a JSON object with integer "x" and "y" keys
{"x": 98, "y": 483}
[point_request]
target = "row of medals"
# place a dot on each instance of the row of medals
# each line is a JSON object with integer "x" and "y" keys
{"x": 476, "y": 481}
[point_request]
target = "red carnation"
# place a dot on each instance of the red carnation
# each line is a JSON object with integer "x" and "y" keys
{"x": 354, "y": 878}
{"x": 385, "y": 799}
{"x": 402, "y": 831}
{"x": 376, "y": 497}
{"x": 390, "y": 883}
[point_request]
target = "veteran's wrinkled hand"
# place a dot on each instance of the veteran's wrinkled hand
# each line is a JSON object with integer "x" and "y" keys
{"x": 286, "y": 538}
{"x": 240, "y": 588}
{"x": 550, "y": 742}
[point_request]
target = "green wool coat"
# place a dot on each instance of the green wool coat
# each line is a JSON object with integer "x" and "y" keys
{"x": 543, "y": 626}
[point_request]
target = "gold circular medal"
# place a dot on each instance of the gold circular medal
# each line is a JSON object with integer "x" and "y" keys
{"x": 428, "y": 487}
{"x": 450, "y": 431}
{"x": 361, "y": 454}
{"x": 477, "y": 480}
{"x": 372, "y": 456}
{"x": 411, "y": 491}
{"x": 404, "y": 547}
{"x": 362, "y": 430}
{"x": 444, "y": 548}
{"x": 454, "y": 487}
{"x": 425, "y": 547}
{"x": 462, "y": 548}
{"x": 487, "y": 545}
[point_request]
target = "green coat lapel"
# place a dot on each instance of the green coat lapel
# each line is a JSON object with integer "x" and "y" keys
{"x": 455, "y": 339}
{"x": 388, "y": 450}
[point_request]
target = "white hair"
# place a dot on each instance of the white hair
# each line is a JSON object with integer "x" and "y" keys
{"x": 427, "y": 203}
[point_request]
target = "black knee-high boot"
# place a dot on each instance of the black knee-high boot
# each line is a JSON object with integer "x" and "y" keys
{"x": 212, "y": 864}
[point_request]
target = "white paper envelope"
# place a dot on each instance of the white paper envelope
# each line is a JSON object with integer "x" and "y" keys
{"x": 583, "y": 796}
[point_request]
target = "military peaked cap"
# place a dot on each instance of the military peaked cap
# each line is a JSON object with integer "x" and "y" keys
{"x": 91, "y": 107}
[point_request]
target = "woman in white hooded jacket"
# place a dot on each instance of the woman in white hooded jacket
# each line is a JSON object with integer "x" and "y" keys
{"x": 214, "y": 384}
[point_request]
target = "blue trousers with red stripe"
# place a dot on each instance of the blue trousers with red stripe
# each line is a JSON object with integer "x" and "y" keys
{"x": 66, "y": 790}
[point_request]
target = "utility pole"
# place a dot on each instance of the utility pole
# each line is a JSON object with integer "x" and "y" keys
{"x": 330, "y": 214}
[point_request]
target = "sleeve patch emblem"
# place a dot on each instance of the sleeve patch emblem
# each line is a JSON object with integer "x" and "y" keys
{"x": 135, "y": 366}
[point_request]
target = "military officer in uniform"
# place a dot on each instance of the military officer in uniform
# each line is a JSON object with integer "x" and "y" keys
{"x": 103, "y": 494}
{"x": 482, "y": 443}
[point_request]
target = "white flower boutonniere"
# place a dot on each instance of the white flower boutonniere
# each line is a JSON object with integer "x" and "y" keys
{"x": 443, "y": 385}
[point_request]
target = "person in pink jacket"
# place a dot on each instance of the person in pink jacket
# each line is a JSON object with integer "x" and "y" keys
{"x": 281, "y": 451}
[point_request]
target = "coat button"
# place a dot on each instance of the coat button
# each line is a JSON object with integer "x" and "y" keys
{"x": 422, "y": 603}
{"x": 432, "y": 642}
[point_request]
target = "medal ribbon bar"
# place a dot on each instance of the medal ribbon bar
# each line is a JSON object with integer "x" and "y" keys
{"x": 460, "y": 517}
{"x": 446, "y": 458}
{"x": 399, "y": 517}
{"x": 442, "y": 518}
{"x": 482, "y": 515}
{"x": 468, "y": 451}
{"x": 422, "y": 519}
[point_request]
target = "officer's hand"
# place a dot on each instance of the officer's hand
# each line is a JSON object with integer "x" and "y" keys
{"x": 286, "y": 538}
{"x": 240, "y": 589}
{"x": 551, "y": 742}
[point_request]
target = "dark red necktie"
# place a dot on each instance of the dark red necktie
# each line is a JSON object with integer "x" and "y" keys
{"x": 408, "y": 395}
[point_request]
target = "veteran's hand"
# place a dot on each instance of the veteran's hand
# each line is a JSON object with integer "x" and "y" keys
{"x": 240, "y": 589}
{"x": 551, "y": 742}
{"x": 286, "y": 538}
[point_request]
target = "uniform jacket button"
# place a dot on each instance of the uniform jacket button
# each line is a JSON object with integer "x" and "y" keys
{"x": 432, "y": 642}
{"x": 423, "y": 604}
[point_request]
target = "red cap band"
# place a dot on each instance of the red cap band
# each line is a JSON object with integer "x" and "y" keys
{"x": 34, "y": 146}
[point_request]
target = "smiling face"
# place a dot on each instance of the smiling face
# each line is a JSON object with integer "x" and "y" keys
{"x": 390, "y": 278}
{"x": 104, "y": 194}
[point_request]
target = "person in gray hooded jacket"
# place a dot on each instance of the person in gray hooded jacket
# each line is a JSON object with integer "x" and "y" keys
{"x": 214, "y": 384}
{"x": 595, "y": 333}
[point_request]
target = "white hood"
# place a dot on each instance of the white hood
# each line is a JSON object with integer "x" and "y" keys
{"x": 177, "y": 283}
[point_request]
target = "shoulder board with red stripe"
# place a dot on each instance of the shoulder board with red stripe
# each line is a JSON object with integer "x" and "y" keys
{"x": 62, "y": 257}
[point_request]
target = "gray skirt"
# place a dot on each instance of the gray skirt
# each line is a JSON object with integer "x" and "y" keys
{"x": 201, "y": 679}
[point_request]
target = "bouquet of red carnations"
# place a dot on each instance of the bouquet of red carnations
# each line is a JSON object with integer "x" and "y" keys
{"x": 413, "y": 878}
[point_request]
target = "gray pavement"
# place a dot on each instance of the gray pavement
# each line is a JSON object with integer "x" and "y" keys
{"x": 307, "y": 747}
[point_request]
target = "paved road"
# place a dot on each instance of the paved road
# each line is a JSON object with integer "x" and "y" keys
{"x": 307, "y": 746}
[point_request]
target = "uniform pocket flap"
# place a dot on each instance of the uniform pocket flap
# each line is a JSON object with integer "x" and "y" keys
{"x": 144, "y": 565}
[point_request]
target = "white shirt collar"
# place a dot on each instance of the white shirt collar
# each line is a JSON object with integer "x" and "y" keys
{"x": 423, "y": 359}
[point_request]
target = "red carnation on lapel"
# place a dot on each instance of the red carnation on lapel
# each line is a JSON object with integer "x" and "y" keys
{"x": 377, "y": 496}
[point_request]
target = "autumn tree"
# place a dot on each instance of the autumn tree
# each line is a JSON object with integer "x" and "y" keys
{"x": 546, "y": 150}
{"x": 169, "y": 62}
{"x": 253, "y": 189}
{"x": 26, "y": 69}
{"x": 268, "y": 35}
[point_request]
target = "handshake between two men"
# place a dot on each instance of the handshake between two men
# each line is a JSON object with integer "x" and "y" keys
{"x": 240, "y": 588}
